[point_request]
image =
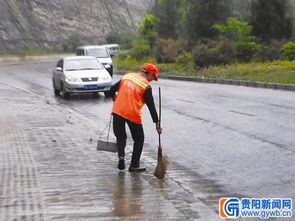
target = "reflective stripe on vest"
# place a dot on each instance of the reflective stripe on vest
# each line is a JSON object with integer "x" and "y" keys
{"x": 135, "y": 80}
{"x": 129, "y": 100}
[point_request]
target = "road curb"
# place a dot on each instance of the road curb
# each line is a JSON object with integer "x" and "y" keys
{"x": 257, "y": 84}
{"x": 287, "y": 87}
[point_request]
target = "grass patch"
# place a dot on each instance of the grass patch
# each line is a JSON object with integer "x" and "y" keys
{"x": 271, "y": 72}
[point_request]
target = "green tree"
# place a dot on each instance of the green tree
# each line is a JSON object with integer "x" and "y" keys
{"x": 236, "y": 30}
{"x": 140, "y": 48}
{"x": 269, "y": 19}
{"x": 201, "y": 15}
{"x": 242, "y": 42}
{"x": 169, "y": 17}
{"x": 288, "y": 51}
{"x": 147, "y": 29}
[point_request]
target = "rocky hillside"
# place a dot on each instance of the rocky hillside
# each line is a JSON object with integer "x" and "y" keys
{"x": 58, "y": 23}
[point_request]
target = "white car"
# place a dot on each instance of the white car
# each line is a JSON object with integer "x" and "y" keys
{"x": 80, "y": 74}
{"x": 112, "y": 48}
{"x": 100, "y": 52}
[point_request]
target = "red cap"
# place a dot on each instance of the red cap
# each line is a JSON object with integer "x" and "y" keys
{"x": 151, "y": 69}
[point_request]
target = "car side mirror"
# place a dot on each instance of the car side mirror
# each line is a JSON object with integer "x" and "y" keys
{"x": 58, "y": 69}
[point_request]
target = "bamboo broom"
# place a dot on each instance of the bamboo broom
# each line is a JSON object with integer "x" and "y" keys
{"x": 162, "y": 163}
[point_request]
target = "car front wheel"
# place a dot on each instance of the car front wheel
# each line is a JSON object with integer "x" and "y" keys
{"x": 95, "y": 94}
{"x": 107, "y": 94}
{"x": 56, "y": 91}
{"x": 63, "y": 92}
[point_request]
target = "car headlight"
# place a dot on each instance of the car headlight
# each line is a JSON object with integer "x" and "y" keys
{"x": 71, "y": 79}
{"x": 105, "y": 78}
{"x": 107, "y": 66}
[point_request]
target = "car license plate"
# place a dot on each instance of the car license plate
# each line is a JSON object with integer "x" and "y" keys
{"x": 89, "y": 87}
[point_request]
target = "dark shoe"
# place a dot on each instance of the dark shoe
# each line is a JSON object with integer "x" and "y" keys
{"x": 137, "y": 169}
{"x": 121, "y": 164}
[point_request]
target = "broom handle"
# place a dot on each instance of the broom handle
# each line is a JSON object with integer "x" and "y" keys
{"x": 160, "y": 115}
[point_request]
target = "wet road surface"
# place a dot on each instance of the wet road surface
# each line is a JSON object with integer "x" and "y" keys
{"x": 221, "y": 140}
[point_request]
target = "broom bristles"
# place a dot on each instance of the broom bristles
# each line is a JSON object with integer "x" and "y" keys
{"x": 161, "y": 167}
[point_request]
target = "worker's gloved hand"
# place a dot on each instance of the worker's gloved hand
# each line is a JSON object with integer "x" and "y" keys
{"x": 158, "y": 128}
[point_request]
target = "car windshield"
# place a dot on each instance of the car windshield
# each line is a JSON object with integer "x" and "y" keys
{"x": 98, "y": 52}
{"x": 82, "y": 64}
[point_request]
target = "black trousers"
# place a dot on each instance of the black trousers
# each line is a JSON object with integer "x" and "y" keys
{"x": 137, "y": 135}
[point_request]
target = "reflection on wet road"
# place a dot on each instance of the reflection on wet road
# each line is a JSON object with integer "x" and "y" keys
{"x": 128, "y": 197}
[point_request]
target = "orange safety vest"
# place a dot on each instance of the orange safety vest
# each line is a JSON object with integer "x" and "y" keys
{"x": 129, "y": 100}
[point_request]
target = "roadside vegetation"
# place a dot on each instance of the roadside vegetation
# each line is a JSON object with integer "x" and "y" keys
{"x": 183, "y": 38}
{"x": 272, "y": 72}
{"x": 230, "y": 39}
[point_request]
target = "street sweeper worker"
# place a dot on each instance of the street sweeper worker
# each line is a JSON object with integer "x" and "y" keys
{"x": 129, "y": 95}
